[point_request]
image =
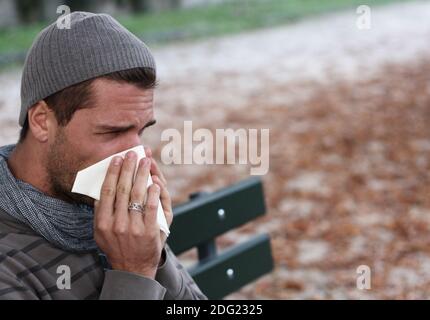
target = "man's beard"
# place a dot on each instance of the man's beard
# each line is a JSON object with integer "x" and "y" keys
{"x": 62, "y": 168}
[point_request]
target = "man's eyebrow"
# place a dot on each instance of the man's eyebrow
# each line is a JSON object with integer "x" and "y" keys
{"x": 108, "y": 127}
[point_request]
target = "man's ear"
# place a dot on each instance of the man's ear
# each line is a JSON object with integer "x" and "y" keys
{"x": 41, "y": 121}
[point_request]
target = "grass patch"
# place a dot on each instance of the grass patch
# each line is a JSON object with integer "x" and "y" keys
{"x": 195, "y": 23}
{"x": 231, "y": 17}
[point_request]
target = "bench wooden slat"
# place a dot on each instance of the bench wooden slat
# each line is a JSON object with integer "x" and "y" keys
{"x": 249, "y": 261}
{"x": 198, "y": 221}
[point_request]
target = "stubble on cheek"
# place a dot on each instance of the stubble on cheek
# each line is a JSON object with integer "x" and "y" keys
{"x": 62, "y": 164}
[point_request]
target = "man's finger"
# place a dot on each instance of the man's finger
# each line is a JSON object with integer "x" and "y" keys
{"x": 124, "y": 186}
{"x": 139, "y": 191}
{"x": 165, "y": 200}
{"x": 155, "y": 170}
{"x": 107, "y": 194}
{"x": 151, "y": 206}
{"x": 148, "y": 151}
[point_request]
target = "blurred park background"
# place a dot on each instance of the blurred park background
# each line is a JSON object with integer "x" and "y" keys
{"x": 349, "y": 116}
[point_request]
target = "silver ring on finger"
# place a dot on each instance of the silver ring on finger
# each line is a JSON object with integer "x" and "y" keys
{"x": 135, "y": 206}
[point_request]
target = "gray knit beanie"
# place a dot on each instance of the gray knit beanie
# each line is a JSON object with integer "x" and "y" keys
{"x": 95, "y": 45}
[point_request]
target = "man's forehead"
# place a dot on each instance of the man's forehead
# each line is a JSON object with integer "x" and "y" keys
{"x": 107, "y": 92}
{"x": 122, "y": 118}
{"x": 121, "y": 104}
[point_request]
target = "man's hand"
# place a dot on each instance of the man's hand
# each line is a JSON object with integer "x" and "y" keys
{"x": 158, "y": 178}
{"x": 131, "y": 240}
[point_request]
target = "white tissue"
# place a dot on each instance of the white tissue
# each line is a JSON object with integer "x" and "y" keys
{"x": 89, "y": 181}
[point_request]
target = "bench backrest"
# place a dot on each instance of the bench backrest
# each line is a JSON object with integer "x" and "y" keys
{"x": 198, "y": 222}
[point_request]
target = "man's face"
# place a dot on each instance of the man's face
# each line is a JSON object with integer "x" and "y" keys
{"x": 114, "y": 123}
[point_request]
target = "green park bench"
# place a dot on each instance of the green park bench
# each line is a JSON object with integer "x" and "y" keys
{"x": 199, "y": 221}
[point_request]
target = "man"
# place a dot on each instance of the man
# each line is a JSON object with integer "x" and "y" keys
{"x": 86, "y": 93}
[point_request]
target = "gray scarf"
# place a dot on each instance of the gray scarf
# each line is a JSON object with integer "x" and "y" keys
{"x": 65, "y": 225}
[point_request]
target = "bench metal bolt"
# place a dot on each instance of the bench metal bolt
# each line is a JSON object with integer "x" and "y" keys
{"x": 230, "y": 273}
{"x": 221, "y": 214}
